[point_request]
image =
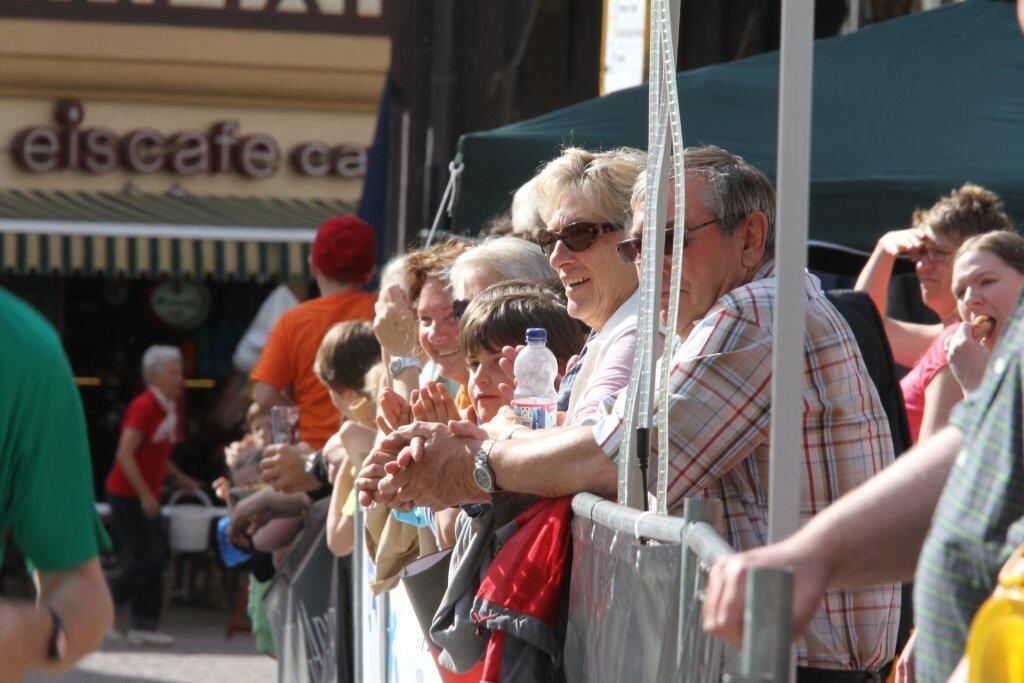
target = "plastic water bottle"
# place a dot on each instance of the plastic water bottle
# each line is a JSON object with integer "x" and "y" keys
{"x": 535, "y": 400}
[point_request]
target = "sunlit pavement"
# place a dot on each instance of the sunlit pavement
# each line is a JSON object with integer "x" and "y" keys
{"x": 200, "y": 654}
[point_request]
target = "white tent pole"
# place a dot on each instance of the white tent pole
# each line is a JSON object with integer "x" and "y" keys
{"x": 793, "y": 185}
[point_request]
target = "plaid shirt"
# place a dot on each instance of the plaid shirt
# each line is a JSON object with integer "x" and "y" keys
{"x": 979, "y": 520}
{"x": 719, "y": 420}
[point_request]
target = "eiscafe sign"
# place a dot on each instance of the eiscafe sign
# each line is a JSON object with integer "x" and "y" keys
{"x": 221, "y": 149}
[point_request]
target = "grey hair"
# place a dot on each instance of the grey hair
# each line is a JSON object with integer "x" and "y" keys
{"x": 510, "y": 258}
{"x": 602, "y": 181}
{"x": 735, "y": 189}
{"x": 526, "y": 218}
{"x": 393, "y": 272}
{"x": 155, "y": 357}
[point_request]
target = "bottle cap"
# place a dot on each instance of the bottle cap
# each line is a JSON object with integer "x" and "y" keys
{"x": 536, "y": 334}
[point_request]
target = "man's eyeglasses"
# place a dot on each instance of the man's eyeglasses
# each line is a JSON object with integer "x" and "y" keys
{"x": 630, "y": 249}
{"x": 575, "y": 236}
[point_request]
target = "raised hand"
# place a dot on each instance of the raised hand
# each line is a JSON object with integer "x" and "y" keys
{"x": 395, "y": 323}
{"x": 393, "y": 411}
{"x": 507, "y": 365}
{"x": 968, "y": 357}
{"x": 434, "y": 403}
{"x": 906, "y": 241}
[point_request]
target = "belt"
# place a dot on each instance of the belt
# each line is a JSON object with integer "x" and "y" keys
{"x": 807, "y": 674}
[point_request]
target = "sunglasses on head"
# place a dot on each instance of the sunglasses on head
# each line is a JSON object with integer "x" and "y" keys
{"x": 630, "y": 250}
{"x": 575, "y": 236}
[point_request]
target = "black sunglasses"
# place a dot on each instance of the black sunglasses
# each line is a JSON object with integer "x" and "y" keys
{"x": 459, "y": 308}
{"x": 575, "y": 236}
{"x": 630, "y": 249}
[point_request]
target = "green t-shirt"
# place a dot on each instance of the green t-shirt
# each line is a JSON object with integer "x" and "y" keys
{"x": 46, "y": 494}
{"x": 979, "y": 520}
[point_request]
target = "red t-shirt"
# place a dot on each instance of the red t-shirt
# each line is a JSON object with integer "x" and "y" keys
{"x": 287, "y": 359}
{"x": 143, "y": 414}
{"x": 921, "y": 374}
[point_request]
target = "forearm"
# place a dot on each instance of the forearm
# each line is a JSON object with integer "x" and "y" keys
{"x": 268, "y": 396}
{"x": 406, "y": 381}
{"x": 874, "y": 534}
{"x": 81, "y": 598}
{"x": 566, "y": 462}
{"x": 874, "y": 278}
{"x": 339, "y": 525}
{"x": 130, "y": 469}
{"x": 176, "y": 473}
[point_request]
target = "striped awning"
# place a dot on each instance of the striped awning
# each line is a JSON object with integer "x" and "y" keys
{"x": 146, "y": 235}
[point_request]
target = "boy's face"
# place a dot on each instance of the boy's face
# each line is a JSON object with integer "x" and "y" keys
{"x": 484, "y": 376}
{"x": 260, "y": 430}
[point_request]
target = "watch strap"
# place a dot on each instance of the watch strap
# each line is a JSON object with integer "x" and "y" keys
{"x": 400, "y": 363}
{"x": 317, "y": 466}
{"x": 54, "y": 649}
{"x": 483, "y": 460}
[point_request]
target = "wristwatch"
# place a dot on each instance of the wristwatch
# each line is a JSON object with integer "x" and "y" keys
{"x": 402, "y": 362}
{"x": 316, "y": 466}
{"x": 483, "y": 475}
{"x": 57, "y": 648}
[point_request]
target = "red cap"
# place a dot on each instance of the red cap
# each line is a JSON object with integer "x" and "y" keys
{"x": 345, "y": 249}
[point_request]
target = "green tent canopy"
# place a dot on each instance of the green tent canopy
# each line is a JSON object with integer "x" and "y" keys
{"x": 904, "y": 111}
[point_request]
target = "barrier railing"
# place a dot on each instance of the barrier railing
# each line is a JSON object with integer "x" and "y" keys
{"x": 686, "y": 653}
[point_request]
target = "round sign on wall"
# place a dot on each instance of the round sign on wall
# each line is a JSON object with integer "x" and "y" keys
{"x": 180, "y": 304}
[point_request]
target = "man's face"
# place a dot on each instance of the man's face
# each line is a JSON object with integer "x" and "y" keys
{"x": 714, "y": 261}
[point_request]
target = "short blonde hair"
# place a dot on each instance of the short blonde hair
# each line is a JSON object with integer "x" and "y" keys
{"x": 346, "y": 354}
{"x": 602, "y": 181}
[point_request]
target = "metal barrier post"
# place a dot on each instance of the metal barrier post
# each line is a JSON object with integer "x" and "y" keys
{"x": 710, "y": 511}
{"x": 767, "y": 624}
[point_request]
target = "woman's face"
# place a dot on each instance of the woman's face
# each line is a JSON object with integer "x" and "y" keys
{"x": 484, "y": 376}
{"x": 935, "y": 271}
{"x": 985, "y": 285}
{"x": 439, "y": 330}
{"x": 169, "y": 379}
{"x": 596, "y": 279}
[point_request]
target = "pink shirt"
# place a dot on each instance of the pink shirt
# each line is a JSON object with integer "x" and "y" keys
{"x": 920, "y": 376}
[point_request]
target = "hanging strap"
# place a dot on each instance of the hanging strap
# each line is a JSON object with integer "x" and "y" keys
{"x": 451, "y": 192}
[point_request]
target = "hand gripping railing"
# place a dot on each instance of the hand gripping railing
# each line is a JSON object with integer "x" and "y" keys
{"x": 700, "y": 658}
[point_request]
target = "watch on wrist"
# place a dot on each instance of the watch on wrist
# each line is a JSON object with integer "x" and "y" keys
{"x": 483, "y": 475}
{"x": 57, "y": 648}
{"x": 402, "y": 362}
{"x": 316, "y": 466}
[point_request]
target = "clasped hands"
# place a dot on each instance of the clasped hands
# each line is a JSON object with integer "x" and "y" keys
{"x": 423, "y": 464}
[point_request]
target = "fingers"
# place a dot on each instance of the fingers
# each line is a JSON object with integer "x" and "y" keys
{"x": 471, "y": 416}
{"x": 467, "y": 429}
{"x": 723, "y": 604}
{"x": 445, "y": 403}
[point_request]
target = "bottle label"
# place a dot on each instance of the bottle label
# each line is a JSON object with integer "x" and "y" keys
{"x": 536, "y": 414}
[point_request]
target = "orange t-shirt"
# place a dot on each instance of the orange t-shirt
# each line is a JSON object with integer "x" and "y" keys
{"x": 287, "y": 359}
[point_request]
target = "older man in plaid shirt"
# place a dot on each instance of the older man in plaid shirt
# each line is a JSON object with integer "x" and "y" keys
{"x": 719, "y": 415}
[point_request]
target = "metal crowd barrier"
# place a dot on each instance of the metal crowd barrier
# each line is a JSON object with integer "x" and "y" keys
{"x": 766, "y": 651}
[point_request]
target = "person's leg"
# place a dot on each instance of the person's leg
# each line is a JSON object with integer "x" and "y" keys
{"x": 149, "y": 598}
{"x": 131, "y": 525}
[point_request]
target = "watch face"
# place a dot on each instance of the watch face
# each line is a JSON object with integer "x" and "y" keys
{"x": 483, "y": 478}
